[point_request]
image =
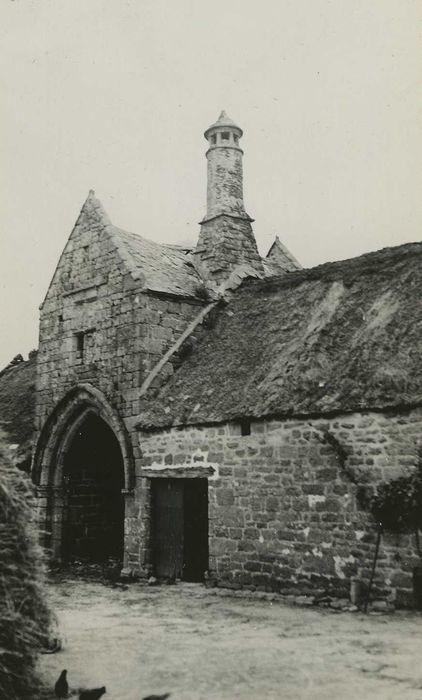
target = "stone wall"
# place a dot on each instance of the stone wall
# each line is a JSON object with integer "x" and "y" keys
{"x": 283, "y": 513}
{"x": 101, "y": 333}
{"x": 225, "y": 180}
{"x": 124, "y": 330}
{"x": 226, "y": 243}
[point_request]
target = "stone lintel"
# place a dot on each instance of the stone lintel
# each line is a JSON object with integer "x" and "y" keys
{"x": 179, "y": 472}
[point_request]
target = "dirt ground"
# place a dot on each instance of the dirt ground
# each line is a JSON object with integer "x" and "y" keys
{"x": 202, "y": 645}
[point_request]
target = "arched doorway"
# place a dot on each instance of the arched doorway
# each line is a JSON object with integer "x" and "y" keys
{"x": 93, "y": 479}
{"x": 83, "y": 468}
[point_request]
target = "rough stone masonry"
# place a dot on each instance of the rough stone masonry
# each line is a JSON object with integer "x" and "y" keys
{"x": 280, "y": 389}
{"x": 283, "y": 514}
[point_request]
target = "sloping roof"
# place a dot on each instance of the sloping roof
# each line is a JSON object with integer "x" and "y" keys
{"x": 279, "y": 256}
{"x": 223, "y": 120}
{"x": 160, "y": 268}
{"x": 275, "y": 267}
{"x": 163, "y": 268}
{"x": 338, "y": 337}
{"x": 17, "y": 399}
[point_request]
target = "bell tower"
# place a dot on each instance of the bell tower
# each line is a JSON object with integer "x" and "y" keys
{"x": 226, "y": 242}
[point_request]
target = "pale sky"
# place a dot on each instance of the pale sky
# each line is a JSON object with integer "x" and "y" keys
{"x": 115, "y": 95}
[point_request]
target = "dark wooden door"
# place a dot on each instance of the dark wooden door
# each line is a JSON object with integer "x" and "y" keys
{"x": 195, "y": 556}
{"x": 168, "y": 527}
{"x": 180, "y": 528}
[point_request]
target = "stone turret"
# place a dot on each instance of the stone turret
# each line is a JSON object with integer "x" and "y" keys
{"x": 225, "y": 169}
{"x": 226, "y": 244}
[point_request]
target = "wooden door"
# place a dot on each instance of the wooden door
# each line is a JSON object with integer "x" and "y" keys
{"x": 195, "y": 554}
{"x": 168, "y": 527}
{"x": 180, "y": 528}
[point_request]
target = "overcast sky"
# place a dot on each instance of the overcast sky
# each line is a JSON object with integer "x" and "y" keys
{"x": 115, "y": 95}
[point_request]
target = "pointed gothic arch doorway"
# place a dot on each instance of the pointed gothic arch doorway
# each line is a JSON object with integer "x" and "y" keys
{"x": 84, "y": 471}
{"x": 93, "y": 480}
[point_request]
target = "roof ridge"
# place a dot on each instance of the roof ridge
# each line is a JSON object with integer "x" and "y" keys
{"x": 160, "y": 267}
{"x": 365, "y": 260}
{"x": 344, "y": 336}
{"x": 128, "y": 260}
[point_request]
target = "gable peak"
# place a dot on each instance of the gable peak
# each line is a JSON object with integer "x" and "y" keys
{"x": 93, "y": 210}
{"x": 278, "y": 252}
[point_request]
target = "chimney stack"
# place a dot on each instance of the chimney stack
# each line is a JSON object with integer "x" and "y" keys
{"x": 226, "y": 242}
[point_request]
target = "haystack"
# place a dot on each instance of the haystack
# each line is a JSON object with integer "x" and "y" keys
{"x": 24, "y": 614}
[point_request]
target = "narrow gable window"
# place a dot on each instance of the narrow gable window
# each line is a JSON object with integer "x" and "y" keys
{"x": 79, "y": 345}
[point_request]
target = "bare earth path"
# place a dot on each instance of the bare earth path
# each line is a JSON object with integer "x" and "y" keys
{"x": 202, "y": 646}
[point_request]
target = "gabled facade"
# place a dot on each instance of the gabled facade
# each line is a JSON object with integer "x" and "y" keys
{"x": 116, "y": 303}
{"x": 118, "y": 306}
{"x": 210, "y": 413}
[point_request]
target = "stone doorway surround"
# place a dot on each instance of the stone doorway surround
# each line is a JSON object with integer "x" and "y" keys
{"x": 53, "y": 444}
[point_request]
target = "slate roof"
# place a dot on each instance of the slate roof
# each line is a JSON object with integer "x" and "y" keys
{"x": 339, "y": 337}
{"x": 161, "y": 268}
{"x": 223, "y": 120}
{"x": 280, "y": 258}
{"x": 164, "y": 268}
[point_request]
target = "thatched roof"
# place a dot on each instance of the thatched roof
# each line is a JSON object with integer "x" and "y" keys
{"x": 339, "y": 337}
{"x": 17, "y": 398}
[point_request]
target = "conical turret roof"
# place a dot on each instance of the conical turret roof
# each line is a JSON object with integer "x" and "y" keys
{"x": 222, "y": 121}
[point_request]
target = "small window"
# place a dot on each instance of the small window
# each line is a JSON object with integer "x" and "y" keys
{"x": 214, "y": 139}
{"x": 245, "y": 427}
{"x": 225, "y": 135}
{"x": 236, "y": 138}
{"x": 80, "y": 342}
{"x": 83, "y": 343}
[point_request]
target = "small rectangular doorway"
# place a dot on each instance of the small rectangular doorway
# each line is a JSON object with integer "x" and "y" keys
{"x": 180, "y": 528}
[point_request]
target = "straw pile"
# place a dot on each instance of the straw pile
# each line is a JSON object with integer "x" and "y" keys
{"x": 24, "y": 615}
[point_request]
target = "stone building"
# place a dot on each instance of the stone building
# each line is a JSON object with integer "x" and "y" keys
{"x": 209, "y": 410}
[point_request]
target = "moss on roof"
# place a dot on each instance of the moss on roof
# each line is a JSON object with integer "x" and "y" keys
{"x": 338, "y": 337}
{"x": 17, "y": 400}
